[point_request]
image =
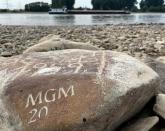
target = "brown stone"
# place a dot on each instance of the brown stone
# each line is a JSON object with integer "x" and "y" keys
{"x": 72, "y": 90}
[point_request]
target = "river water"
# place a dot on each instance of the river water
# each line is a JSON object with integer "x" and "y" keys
{"x": 44, "y": 19}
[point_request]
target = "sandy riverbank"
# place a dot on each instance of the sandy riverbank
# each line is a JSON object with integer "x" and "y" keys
{"x": 136, "y": 40}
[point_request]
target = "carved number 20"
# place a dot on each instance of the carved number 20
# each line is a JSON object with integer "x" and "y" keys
{"x": 34, "y": 113}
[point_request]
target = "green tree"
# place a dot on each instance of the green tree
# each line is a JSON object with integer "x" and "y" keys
{"x": 37, "y": 7}
{"x": 69, "y": 4}
{"x": 143, "y": 5}
{"x": 113, "y": 4}
{"x": 151, "y": 3}
{"x": 146, "y": 5}
{"x": 97, "y": 4}
{"x": 57, "y": 3}
{"x": 130, "y": 4}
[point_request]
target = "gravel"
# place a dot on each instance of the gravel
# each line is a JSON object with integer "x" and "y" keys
{"x": 137, "y": 40}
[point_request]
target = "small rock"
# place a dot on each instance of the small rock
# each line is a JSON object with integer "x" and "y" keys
{"x": 143, "y": 124}
{"x": 122, "y": 38}
{"x": 162, "y": 51}
{"x": 8, "y": 44}
{"x": 160, "y": 69}
{"x": 159, "y": 107}
{"x": 6, "y": 54}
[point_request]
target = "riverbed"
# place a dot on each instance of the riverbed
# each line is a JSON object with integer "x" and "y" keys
{"x": 137, "y": 40}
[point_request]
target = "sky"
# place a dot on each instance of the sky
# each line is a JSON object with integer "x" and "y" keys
{"x": 19, "y": 4}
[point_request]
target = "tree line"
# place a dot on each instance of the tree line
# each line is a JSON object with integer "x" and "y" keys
{"x": 98, "y": 4}
{"x": 145, "y": 5}
{"x": 152, "y": 5}
{"x": 113, "y": 4}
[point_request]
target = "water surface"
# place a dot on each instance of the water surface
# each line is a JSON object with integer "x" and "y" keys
{"x": 46, "y": 19}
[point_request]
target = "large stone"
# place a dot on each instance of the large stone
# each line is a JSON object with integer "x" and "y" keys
{"x": 53, "y": 42}
{"x": 159, "y": 107}
{"x": 72, "y": 90}
{"x": 143, "y": 124}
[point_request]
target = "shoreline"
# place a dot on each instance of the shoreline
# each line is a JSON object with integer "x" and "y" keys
{"x": 138, "y": 40}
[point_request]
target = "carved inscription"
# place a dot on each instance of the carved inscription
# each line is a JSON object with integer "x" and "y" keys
{"x": 36, "y": 114}
{"x": 43, "y": 89}
{"x": 95, "y": 62}
{"x": 49, "y": 96}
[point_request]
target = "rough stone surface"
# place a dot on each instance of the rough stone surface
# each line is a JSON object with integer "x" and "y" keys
{"x": 53, "y": 42}
{"x": 143, "y": 124}
{"x": 159, "y": 107}
{"x": 72, "y": 90}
